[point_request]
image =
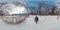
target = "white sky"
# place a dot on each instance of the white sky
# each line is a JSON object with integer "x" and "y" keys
{"x": 57, "y": 3}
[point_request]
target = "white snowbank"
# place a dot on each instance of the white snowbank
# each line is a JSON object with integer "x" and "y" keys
{"x": 45, "y": 23}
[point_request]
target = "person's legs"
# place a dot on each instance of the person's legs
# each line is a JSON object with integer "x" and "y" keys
{"x": 36, "y": 22}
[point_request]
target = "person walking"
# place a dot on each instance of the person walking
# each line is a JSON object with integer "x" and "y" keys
{"x": 36, "y": 19}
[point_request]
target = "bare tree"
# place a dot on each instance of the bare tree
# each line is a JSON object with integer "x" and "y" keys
{"x": 47, "y": 10}
{"x": 32, "y": 9}
{"x": 53, "y": 9}
{"x": 41, "y": 4}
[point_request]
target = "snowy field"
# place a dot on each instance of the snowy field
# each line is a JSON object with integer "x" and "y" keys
{"x": 45, "y": 23}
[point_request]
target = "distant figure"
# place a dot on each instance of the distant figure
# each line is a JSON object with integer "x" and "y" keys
{"x": 57, "y": 17}
{"x": 36, "y": 19}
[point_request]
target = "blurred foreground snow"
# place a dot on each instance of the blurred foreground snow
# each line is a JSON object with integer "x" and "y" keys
{"x": 45, "y": 23}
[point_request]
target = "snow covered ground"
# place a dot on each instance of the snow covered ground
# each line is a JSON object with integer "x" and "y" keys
{"x": 45, "y": 23}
